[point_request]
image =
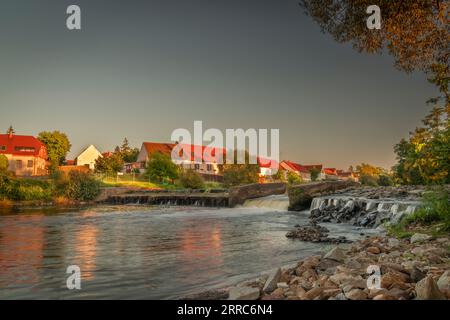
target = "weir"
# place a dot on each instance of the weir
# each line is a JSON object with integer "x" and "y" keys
{"x": 361, "y": 211}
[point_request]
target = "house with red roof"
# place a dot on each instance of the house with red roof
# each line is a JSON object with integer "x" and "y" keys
{"x": 304, "y": 171}
{"x": 203, "y": 159}
{"x": 27, "y": 156}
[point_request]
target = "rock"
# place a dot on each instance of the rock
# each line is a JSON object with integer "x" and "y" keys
{"x": 444, "y": 281}
{"x": 313, "y": 293}
{"x": 416, "y": 275}
{"x": 278, "y": 292}
{"x": 394, "y": 279}
{"x": 336, "y": 254}
{"x": 328, "y": 293}
{"x": 356, "y": 294}
{"x": 282, "y": 285}
{"x": 374, "y": 250}
{"x": 244, "y": 293}
{"x": 427, "y": 289}
{"x": 398, "y": 294}
{"x": 419, "y": 237}
{"x": 272, "y": 280}
{"x": 393, "y": 242}
{"x": 383, "y": 297}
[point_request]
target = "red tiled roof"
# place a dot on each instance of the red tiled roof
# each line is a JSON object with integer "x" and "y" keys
{"x": 330, "y": 171}
{"x": 302, "y": 168}
{"x": 22, "y": 146}
{"x": 208, "y": 154}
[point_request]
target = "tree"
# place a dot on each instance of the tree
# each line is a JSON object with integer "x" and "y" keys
{"x": 160, "y": 168}
{"x": 57, "y": 144}
{"x": 415, "y": 32}
{"x": 128, "y": 154}
{"x": 109, "y": 165}
{"x": 280, "y": 175}
{"x": 10, "y": 130}
{"x": 191, "y": 179}
{"x": 4, "y": 163}
{"x": 314, "y": 172}
{"x": 235, "y": 174}
{"x": 365, "y": 169}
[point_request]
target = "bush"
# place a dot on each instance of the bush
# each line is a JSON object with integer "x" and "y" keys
{"x": 385, "y": 180}
{"x": 367, "y": 180}
{"x": 25, "y": 189}
{"x": 82, "y": 186}
{"x": 160, "y": 168}
{"x": 191, "y": 179}
{"x": 294, "y": 178}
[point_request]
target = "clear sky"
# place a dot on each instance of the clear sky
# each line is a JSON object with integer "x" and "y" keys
{"x": 140, "y": 69}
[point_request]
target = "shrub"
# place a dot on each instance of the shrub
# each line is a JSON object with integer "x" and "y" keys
{"x": 82, "y": 186}
{"x": 367, "y": 180}
{"x": 191, "y": 179}
{"x": 160, "y": 168}
{"x": 26, "y": 189}
{"x": 294, "y": 178}
{"x": 385, "y": 180}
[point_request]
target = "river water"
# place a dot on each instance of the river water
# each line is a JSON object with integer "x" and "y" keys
{"x": 137, "y": 252}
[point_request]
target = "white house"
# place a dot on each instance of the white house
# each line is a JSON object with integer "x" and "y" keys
{"x": 88, "y": 157}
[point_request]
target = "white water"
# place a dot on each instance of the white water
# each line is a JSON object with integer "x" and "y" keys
{"x": 394, "y": 207}
{"x": 276, "y": 202}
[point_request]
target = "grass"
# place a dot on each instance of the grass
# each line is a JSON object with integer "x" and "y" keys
{"x": 111, "y": 182}
{"x": 433, "y": 218}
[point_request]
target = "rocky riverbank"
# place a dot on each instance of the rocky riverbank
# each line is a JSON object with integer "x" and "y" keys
{"x": 415, "y": 268}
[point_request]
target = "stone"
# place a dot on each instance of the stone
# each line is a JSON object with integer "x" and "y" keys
{"x": 398, "y": 294}
{"x": 383, "y": 297}
{"x": 419, "y": 237}
{"x": 374, "y": 250}
{"x": 328, "y": 293}
{"x": 393, "y": 279}
{"x": 444, "y": 281}
{"x": 416, "y": 275}
{"x": 272, "y": 280}
{"x": 336, "y": 254}
{"x": 393, "y": 242}
{"x": 282, "y": 285}
{"x": 427, "y": 289}
{"x": 356, "y": 294}
{"x": 244, "y": 293}
{"x": 313, "y": 293}
{"x": 278, "y": 292}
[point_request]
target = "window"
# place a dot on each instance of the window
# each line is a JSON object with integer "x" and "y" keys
{"x": 209, "y": 167}
{"x": 197, "y": 166}
{"x": 24, "y": 149}
{"x": 2, "y": 148}
{"x": 18, "y": 164}
{"x": 30, "y": 164}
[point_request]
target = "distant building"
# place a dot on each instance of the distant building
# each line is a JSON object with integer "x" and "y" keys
{"x": 304, "y": 171}
{"x": 330, "y": 174}
{"x": 206, "y": 167}
{"x": 27, "y": 156}
{"x": 88, "y": 157}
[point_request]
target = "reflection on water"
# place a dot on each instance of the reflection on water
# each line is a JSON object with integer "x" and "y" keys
{"x": 143, "y": 252}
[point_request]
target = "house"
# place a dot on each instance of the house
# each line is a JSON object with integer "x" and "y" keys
{"x": 346, "y": 175}
{"x": 88, "y": 157}
{"x": 208, "y": 168}
{"x": 330, "y": 174}
{"x": 304, "y": 171}
{"x": 27, "y": 156}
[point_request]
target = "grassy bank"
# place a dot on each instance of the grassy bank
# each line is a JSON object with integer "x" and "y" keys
{"x": 432, "y": 218}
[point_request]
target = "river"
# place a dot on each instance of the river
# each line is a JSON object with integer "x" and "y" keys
{"x": 143, "y": 252}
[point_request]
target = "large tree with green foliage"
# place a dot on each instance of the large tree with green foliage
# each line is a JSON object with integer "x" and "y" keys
{"x": 235, "y": 174}
{"x": 160, "y": 168}
{"x": 57, "y": 144}
{"x": 128, "y": 153}
{"x": 109, "y": 165}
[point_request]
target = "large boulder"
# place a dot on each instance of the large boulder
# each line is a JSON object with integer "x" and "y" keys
{"x": 419, "y": 237}
{"x": 427, "y": 289}
{"x": 238, "y": 195}
{"x": 272, "y": 281}
{"x": 300, "y": 196}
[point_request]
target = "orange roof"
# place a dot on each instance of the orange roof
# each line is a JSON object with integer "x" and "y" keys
{"x": 302, "y": 168}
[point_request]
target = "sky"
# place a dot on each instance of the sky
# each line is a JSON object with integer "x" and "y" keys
{"x": 141, "y": 69}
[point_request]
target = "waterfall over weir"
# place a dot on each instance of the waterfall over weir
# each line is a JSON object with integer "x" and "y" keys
{"x": 361, "y": 211}
{"x": 276, "y": 202}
